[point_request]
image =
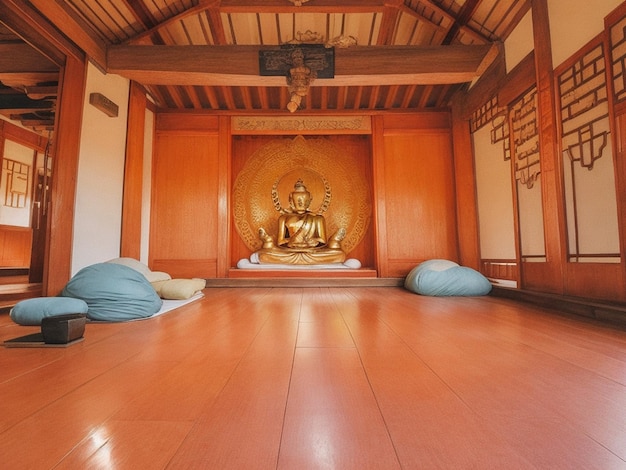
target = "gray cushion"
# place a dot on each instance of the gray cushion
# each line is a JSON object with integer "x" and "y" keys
{"x": 30, "y": 312}
{"x": 446, "y": 278}
{"x": 113, "y": 292}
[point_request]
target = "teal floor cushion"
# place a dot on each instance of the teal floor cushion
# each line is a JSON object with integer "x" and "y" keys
{"x": 113, "y": 292}
{"x": 440, "y": 277}
{"x": 30, "y": 312}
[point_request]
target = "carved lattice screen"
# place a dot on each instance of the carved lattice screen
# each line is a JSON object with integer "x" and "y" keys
{"x": 588, "y": 171}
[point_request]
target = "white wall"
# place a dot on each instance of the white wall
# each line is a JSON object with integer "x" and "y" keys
{"x": 573, "y": 23}
{"x": 98, "y": 211}
{"x": 146, "y": 187}
{"x": 494, "y": 196}
{"x": 519, "y": 43}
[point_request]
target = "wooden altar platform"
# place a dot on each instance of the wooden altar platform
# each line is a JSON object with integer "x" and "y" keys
{"x": 304, "y": 278}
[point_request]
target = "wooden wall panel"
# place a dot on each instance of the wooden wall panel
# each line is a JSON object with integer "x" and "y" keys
{"x": 420, "y": 218}
{"x": 15, "y": 244}
{"x": 184, "y": 216}
{"x": 595, "y": 281}
{"x": 186, "y": 122}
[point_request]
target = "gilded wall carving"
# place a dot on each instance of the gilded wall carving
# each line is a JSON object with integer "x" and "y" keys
{"x": 264, "y": 124}
{"x": 335, "y": 179}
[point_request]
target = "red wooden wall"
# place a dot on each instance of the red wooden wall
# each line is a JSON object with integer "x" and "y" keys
{"x": 196, "y": 160}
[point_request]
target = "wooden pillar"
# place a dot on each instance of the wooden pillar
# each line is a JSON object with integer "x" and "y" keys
{"x": 465, "y": 183}
{"x": 548, "y": 275}
{"x": 223, "y": 204}
{"x": 130, "y": 244}
{"x": 58, "y": 264}
{"x": 378, "y": 186}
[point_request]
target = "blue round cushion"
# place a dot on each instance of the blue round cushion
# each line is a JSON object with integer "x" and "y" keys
{"x": 113, "y": 292}
{"x": 446, "y": 278}
{"x": 30, "y": 312}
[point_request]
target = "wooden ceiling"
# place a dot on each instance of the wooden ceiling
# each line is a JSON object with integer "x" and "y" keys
{"x": 204, "y": 54}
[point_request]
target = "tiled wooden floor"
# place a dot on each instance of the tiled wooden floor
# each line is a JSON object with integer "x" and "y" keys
{"x": 321, "y": 378}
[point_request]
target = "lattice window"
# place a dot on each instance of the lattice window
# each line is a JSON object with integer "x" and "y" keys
{"x": 17, "y": 176}
{"x": 588, "y": 170}
{"x": 492, "y": 113}
{"x": 618, "y": 59}
{"x": 584, "y": 108}
{"x": 526, "y": 139}
{"x": 485, "y": 114}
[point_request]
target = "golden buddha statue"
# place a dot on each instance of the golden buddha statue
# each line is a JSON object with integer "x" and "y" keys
{"x": 301, "y": 235}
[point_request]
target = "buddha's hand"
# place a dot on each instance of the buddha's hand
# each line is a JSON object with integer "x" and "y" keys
{"x": 335, "y": 240}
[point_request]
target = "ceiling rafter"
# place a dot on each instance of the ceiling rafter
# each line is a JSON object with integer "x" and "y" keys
{"x": 357, "y": 98}
{"x": 211, "y": 71}
{"x": 419, "y": 17}
{"x": 467, "y": 10}
{"x": 141, "y": 13}
{"x": 199, "y": 8}
{"x": 227, "y": 92}
{"x": 374, "y": 97}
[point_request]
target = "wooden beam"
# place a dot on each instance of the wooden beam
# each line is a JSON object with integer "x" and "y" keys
{"x": 317, "y": 6}
{"x": 74, "y": 27}
{"x": 26, "y": 22}
{"x": 28, "y": 79}
{"x": 38, "y": 123}
{"x": 21, "y": 57}
{"x": 239, "y": 65}
{"x": 19, "y": 101}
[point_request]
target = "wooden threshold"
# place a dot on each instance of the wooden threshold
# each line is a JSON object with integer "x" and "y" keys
{"x": 302, "y": 273}
{"x": 10, "y": 294}
{"x": 608, "y": 312}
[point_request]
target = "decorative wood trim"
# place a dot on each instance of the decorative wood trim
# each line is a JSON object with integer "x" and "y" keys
{"x": 306, "y": 125}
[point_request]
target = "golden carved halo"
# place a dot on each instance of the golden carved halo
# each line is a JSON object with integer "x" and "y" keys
{"x": 262, "y": 189}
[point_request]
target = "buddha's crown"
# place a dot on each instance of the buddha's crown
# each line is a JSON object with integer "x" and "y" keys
{"x": 299, "y": 187}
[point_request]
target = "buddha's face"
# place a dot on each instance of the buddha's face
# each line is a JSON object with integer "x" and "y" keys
{"x": 300, "y": 201}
